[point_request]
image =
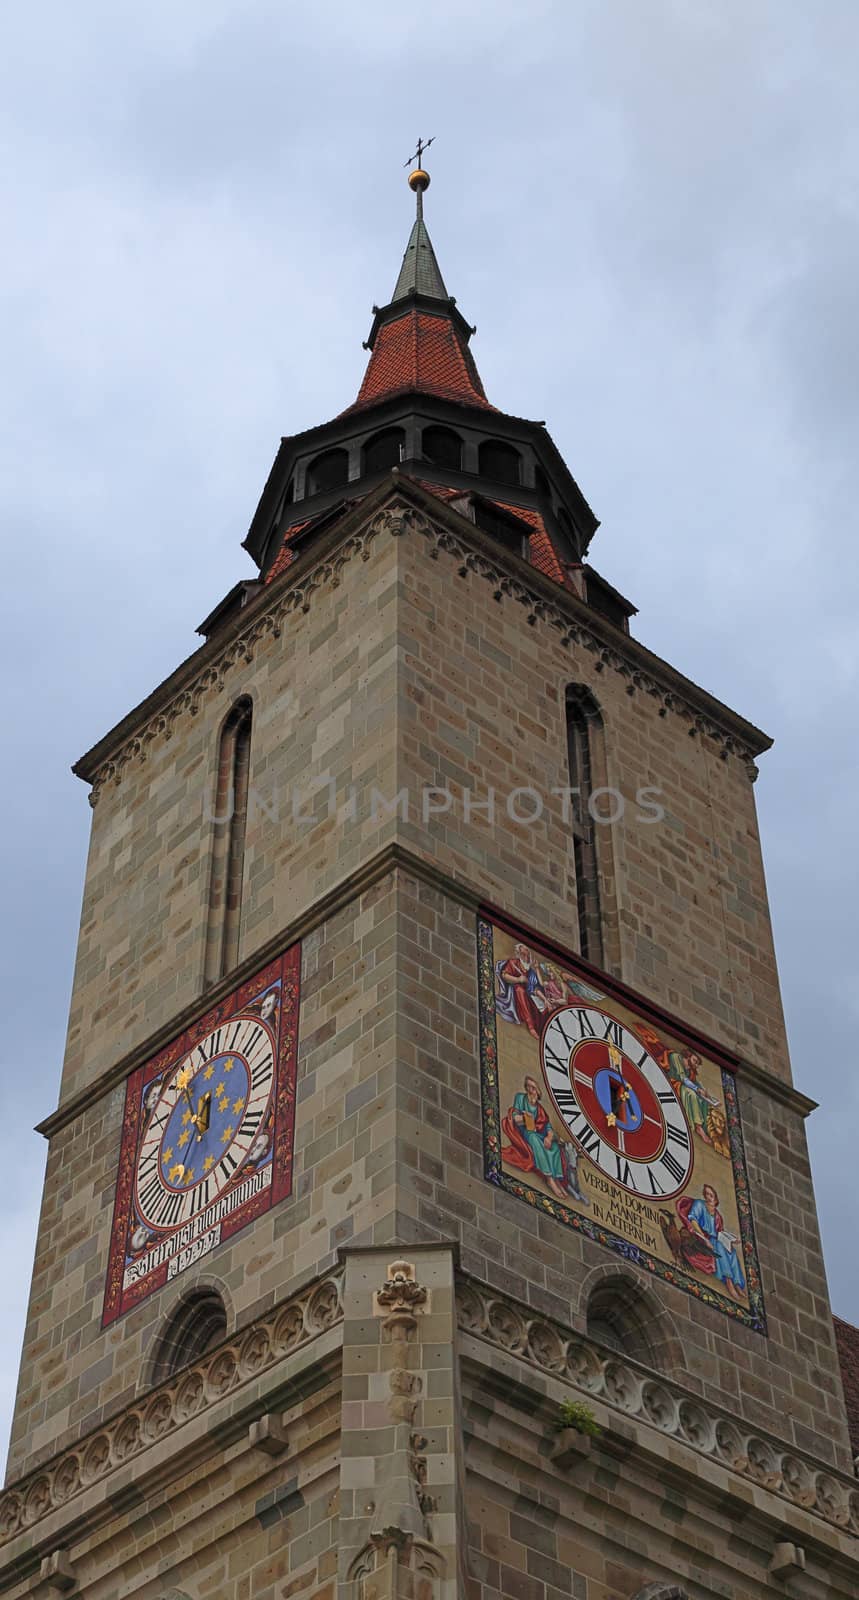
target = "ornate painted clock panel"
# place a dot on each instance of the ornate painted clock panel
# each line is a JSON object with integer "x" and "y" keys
{"x": 207, "y": 1138}
{"x": 601, "y": 1112}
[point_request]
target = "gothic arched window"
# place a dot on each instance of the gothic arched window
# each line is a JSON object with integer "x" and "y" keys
{"x": 197, "y": 1326}
{"x": 584, "y": 726}
{"x": 229, "y": 822}
{"x": 328, "y": 471}
{"x": 384, "y": 450}
{"x": 500, "y": 461}
{"x": 442, "y": 447}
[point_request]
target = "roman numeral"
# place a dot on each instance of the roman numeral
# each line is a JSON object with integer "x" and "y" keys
{"x": 590, "y": 1143}
{"x": 160, "y": 1121}
{"x": 261, "y": 1073}
{"x": 203, "y": 1193}
{"x": 614, "y": 1031}
{"x": 215, "y": 1041}
{"x": 251, "y": 1122}
{"x": 168, "y": 1216}
{"x": 557, "y": 1025}
{"x": 623, "y": 1172}
{"x": 151, "y": 1193}
{"x": 236, "y": 1034}
{"x": 148, "y": 1163}
{"x": 673, "y": 1165}
{"x": 679, "y": 1135}
{"x": 654, "y": 1186}
{"x": 558, "y": 1062}
{"x": 641, "y": 1060}
{"x": 665, "y": 1096}
{"x": 228, "y": 1166}
{"x": 585, "y": 1025}
{"x": 566, "y": 1101}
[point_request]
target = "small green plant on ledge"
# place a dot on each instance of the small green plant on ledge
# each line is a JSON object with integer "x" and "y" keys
{"x": 572, "y": 1414}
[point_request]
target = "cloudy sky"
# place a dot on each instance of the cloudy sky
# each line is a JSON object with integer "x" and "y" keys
{"x": 650, "y": 209}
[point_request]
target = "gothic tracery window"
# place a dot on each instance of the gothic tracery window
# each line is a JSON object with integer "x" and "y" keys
{"x": 197, "y": 1326}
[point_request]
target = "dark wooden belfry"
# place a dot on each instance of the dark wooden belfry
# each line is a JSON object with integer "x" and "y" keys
{"x": 423, "y": 409}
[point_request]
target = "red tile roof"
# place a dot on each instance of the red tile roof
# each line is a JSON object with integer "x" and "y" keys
{"x": 421, "y": 351}
{"x": 847, "y": 1342}
{"x": 543, "y": 554}
{"x": 285, "y": 556}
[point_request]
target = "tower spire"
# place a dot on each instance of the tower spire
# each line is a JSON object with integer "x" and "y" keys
{"x": 420, "y": 272}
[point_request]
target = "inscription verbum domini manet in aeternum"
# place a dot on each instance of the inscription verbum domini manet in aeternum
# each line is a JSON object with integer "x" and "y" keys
{"x": 602, "y": 1113}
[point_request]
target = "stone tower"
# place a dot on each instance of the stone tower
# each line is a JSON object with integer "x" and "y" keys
{"x": 427, "y": 1210}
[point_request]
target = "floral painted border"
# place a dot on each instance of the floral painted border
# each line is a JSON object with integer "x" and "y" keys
{"x": 755, "y": 1316}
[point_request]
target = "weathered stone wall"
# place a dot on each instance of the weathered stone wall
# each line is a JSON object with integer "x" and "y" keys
{"x": 405, "y": 673}
{"x": 323, "y": 692}
{"x": 74, "y": 1374}
{"x": 787, "y": 1383}
{"x": 481, "y": 699}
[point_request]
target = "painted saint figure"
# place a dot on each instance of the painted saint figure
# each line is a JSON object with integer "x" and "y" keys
{"x": 683, "y": 1069}
{"x": 520, "y": 996}
{"x": 553, "y": 986}
{"x": 533, "y": 1145}
{"x": 717, "y": 1253}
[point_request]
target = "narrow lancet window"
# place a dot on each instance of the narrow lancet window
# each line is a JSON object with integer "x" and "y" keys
{"x": 584, "y": 726}
{"x": 229, "y": 822}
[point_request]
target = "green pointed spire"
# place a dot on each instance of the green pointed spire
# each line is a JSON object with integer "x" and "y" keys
{"x": 420, "y": 272}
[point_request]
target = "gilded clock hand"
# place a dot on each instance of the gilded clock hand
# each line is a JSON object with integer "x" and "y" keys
{"x": 204, "y": 1114}
{"x": 182, "y": 1081}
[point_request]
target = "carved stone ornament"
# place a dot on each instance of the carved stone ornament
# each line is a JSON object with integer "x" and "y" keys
{"x": 239, "y": 1361}
{"x": 400, "y": 1292}
{"x": 632, "y": 1391}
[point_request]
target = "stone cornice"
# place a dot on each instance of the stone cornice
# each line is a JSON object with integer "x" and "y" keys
{"x": 633, "y": 1393}
{"x": 371, "y": 872}
{"x": 84, "y": 1485}
{"x": 397, "y": 508}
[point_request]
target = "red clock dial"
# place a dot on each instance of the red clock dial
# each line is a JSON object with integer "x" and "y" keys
{"x": 616, "y": 1102}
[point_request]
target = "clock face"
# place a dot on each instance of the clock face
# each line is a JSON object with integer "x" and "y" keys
{"x": 205, "y": 1119}
{"x": 615, "y": 1101}
{"x": 601, "y": 1112}
{"x": 207, "y": 1137}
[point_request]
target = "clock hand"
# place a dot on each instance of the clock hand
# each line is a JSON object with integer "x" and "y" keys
{"x": 204, "y": 1114}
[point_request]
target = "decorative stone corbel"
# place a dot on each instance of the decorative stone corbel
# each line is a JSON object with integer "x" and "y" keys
{"x": 786, "y": 1560}
{"x": 269, "y": 1435}
{"x": 570, "y": 1448}
{"x": 56, "y": 1576}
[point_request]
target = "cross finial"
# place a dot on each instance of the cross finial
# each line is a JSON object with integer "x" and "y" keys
{"x": 419, "y": 180}
{"x": 423, "y": 144}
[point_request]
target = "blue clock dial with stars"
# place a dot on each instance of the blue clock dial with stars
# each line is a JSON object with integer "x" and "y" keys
{"x": 206, "y": 1119}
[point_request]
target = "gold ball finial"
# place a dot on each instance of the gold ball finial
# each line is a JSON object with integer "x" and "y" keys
{"x": 419, "y": 180}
